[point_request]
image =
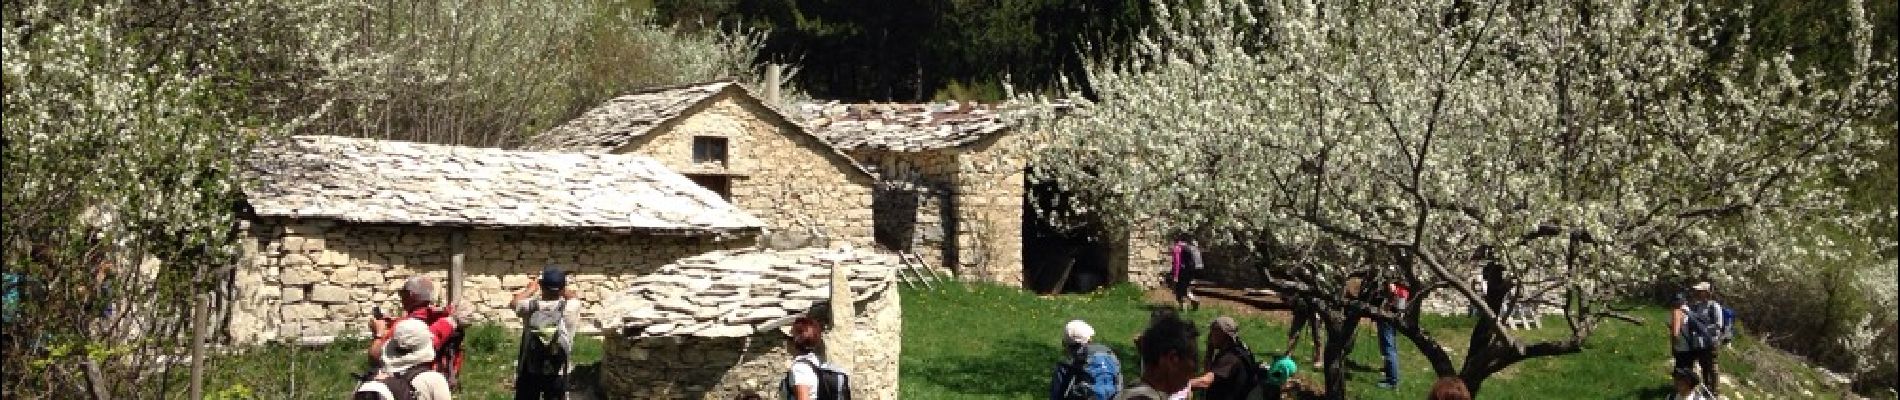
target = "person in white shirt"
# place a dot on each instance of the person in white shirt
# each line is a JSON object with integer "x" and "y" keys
{"x": 807, "y": 335}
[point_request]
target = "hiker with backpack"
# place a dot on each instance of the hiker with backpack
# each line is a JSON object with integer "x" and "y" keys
{"x": 417, "y": 299}
{"x": 1187, "y": 262}
{"x": 809, "y": 377}
{"x": 1168, "y": 357}
{"x": 1695, "y": 329}
{"x": 404, "y": 373}
{"x": 1232, "y": 370}
{"x": 547, "y": 336}
{"x": 1091, "y": 371}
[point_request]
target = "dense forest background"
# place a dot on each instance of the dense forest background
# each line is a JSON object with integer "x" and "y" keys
{"x": 920, "y": 50}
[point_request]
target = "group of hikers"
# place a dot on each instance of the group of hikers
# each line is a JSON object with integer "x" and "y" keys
{"x": 1698, "y": 326}
{"x": 417, "y": 354}
{"x": 1172, "y": 367}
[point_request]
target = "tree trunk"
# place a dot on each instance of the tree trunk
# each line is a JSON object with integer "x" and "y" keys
{"x": 1340, "y": 327}
{"x": 1483, "y": 350}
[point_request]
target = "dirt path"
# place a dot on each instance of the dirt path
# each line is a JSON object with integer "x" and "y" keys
{"x": 1234, "y": 300}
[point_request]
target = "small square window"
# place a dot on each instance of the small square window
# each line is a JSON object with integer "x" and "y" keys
{"x": 709, "y": 149}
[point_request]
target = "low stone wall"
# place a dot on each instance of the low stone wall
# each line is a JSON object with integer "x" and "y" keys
{"x": 676, "y": 367}
{"x": 317, "y": 279}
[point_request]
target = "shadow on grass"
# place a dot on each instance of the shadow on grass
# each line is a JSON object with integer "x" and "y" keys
{"x": 1025, "y": 366}
{"x": 1656, "y": 392}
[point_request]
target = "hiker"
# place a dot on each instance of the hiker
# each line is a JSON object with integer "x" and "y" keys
{"x": 809, "y": 378}
{"x": 416, "y": 296}
{"x": 1396, "y": 297}
{"x": 1167, "y": 359}
{"x": 1695, "y": 329}
{"x": 405, "y": 373}
{"x": 1305, "y": 316}
{"x": 1231, "y": 370}
{"x": 547, "y": 335}
{"x": 1449, "y": 388}
{"x": 1187, "y": 259}
{"x": 1687, "y": 386}
{"x": 1090, "y": 370}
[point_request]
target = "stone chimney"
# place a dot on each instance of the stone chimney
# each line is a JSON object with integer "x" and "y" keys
{"x": 771, "y": 84}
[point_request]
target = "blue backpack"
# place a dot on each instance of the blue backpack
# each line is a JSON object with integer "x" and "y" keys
{"x": 1096, "y": 375}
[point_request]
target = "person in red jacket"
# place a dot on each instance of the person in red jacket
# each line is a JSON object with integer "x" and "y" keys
{"x": 417, "y": 301}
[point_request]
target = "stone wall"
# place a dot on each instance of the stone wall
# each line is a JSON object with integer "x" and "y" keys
{"x": 1143, "y": 258}
{"x": 911, "y": 199}
{"x": 783, "y": 176}
{"x": 316, "y": 279}
{"x": 990, "y": 205}
{"x": 675, "y": 367}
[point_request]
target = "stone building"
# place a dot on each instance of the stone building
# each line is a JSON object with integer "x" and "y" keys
{"x": 714, "y": 326}
{"x": 952, "y": 189}
{"x": 336, "y": 223}
{"x": 726, "y": 139}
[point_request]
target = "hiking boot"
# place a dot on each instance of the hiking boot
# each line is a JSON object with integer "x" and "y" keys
{"x": 1196, "y": 303}
{"x": 1388, "y": 385}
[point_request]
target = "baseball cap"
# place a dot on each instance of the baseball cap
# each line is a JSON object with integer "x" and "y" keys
{"x": 1226, "y": 325}
{"x": 1077, "y": 331}
{"x": 553, "y": 278}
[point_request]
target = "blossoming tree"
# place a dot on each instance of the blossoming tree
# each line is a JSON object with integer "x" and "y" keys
{"x": 1498, "y": 153}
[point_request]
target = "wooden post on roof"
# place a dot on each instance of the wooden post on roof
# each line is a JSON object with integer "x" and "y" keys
{"x": 458, "y": 249}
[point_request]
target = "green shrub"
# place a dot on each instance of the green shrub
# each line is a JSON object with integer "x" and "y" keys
{"x": 485, "y": 337}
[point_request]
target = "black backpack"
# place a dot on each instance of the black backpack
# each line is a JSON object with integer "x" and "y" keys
{"x": 541, "y": 350}
{"x": 833, "y": 383}
{"x": 399, "y": 385}
{"x": 1254, "y": 375}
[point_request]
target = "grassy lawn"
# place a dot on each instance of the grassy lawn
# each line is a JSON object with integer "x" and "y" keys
{"x": 993, "y": 342}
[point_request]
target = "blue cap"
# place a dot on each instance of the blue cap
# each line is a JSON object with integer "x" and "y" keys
{"x": 552, "y": 278}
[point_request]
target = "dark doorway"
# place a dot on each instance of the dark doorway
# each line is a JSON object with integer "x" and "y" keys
{"x": 1063, "y": 251}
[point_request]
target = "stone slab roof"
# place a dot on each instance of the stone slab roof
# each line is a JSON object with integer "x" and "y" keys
{"x": 392, "y": 182}
{"x": 903, "y": 127}
{"x": 622, "y": 119}
{"x": 742, "y": 292}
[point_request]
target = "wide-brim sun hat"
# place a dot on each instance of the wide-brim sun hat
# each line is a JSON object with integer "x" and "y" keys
{"x": 410, "y": 345}
{"x": 1702, "y": 286}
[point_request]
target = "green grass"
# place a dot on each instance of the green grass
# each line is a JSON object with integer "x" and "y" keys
{"x": 289, "y": 372}
{"x": 992, "y": 342}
